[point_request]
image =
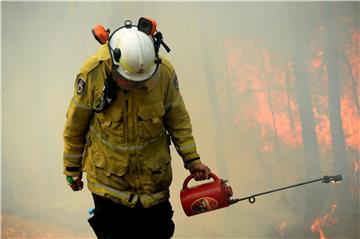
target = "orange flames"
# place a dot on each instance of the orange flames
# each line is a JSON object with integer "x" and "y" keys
{"x": 320, "y": 223}
{"x": 264, "y": 85}
{"x": 351, "y": 123}
{"x": 356, "y": 187}
{"x": 317, "y": 62}
{"x": 349, "y": 112}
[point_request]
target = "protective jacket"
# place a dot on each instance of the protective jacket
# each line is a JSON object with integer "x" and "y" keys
{"x": 124, "y": 149}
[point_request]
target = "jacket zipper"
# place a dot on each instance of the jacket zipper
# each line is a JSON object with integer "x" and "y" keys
{"x": 138, "y": 182}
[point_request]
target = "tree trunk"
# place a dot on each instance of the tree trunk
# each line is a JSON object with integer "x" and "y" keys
{"x": 299, "y": 48}
{"x": 346, "y": 205}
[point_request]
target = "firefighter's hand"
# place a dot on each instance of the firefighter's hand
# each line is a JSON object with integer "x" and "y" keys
{"x": 200, "y": 172}
{"x": 75, "y": 183}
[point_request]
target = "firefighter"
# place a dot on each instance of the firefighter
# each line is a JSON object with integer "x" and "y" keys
{"x": 125, "y": 112}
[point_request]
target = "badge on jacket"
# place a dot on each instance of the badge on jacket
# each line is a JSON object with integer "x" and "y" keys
{"x": 80, "y": 86}
{"x": 176, "y": 83}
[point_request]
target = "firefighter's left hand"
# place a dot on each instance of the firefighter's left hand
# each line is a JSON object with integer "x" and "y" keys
{"x": 200, "y": 172}
{"x": 75, "y": 183}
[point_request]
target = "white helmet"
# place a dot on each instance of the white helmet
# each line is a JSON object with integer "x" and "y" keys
{"x": 133, "y": 53}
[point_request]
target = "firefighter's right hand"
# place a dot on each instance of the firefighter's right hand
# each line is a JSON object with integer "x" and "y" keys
{"x": 75, "y": 182}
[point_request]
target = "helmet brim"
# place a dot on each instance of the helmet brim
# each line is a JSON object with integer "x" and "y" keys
{"x": 138, "y": 77}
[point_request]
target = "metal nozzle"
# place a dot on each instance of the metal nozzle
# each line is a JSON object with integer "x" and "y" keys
{"x": 333, "y": 179}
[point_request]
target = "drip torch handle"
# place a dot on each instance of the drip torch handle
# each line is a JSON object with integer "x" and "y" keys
{"x": 325, "y": 179}
{"x": 186, "y": 181}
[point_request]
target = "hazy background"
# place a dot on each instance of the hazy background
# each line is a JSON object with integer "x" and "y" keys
{"x": 272, "y": 89}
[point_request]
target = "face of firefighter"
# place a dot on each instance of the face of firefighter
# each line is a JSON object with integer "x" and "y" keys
{"x": 125, "y": 83}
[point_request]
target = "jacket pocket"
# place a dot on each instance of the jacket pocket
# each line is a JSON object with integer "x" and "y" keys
{"x": 151, "y": 121}
{"x": 111, "y": 125}
{"x": 110, "y": 171}
{"x": 159, "y": 171}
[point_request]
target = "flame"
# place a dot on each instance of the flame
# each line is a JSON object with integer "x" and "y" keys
{"x": 265, "y": 99}
{"x": 265, "y": 89}
{"x": 322, "y": 129}
{"x": 355, "y": 189}
{"x": 317, "y": 62}
{"x": 350, "y": 120}
{"x": 349, "y": 112}
{"x": 320, "y": 223}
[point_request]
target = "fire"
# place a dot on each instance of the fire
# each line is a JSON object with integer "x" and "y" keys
{"x": 265, "y": 83}
{"x": 317, "y": 62}
{"x": 322, "y": 129}
{"x": 350, "y": 120}
{"x": 320, "y": 223}
{"x": 264, "y": 93}
{"x": 351, "y": 93}
{"x": 355, "y": 189}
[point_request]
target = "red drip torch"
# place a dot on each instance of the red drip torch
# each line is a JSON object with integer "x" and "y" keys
{"x": 214, "y": 195}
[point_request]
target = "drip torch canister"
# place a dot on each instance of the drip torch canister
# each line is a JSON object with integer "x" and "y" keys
{"x": 205, "y": 197}
{"x": 214, "y": 195}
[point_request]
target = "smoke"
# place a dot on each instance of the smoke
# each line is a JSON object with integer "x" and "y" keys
{"x": 237, "y": 74}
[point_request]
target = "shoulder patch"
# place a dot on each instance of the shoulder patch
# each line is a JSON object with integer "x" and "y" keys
{"x": 176, "y": 83}
{"x": 80, "y": 86}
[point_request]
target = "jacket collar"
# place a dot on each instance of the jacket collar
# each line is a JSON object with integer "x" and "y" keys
{"x": 153, "y": 81}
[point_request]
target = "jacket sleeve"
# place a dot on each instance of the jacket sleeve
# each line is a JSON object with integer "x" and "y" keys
{"x": 77, "y": 123}
{"x": 177, "y": 121}
{"x": 80, "y": 111}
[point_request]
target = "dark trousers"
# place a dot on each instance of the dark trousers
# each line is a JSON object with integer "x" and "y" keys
{"x": 115, "y": 221}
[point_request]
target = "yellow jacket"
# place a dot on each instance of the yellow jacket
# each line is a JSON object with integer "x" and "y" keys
{"x": 124, "y": 150}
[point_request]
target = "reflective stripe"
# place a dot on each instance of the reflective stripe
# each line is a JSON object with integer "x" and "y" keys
{"x": 72, "y": 155}
{"x": 80, "y": 105}
{"x": 74, "y": 145}
{"x": 187, "y": 146}
{"x": 123, "y": 195}
{"x": 124, "y": 147}
{"x": 146, "y": 197}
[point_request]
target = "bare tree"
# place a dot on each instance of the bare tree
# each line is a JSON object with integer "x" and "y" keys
{"x": 299, "y": 48}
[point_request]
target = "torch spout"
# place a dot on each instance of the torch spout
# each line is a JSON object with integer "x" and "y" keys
{"x": 332, "y": 179}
